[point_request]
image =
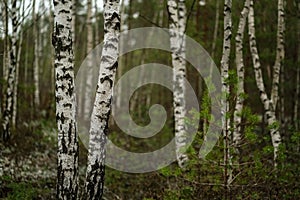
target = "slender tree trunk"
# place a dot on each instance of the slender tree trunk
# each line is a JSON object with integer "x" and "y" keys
{"x": 51, "y": 22}
{"x": 74, "y": 22}
{"x": 67, "y": 170}
{"x": 268, "y": 104}
{"x": 15, "y": 99}
{"x": 216, "y": 28}
{"x": 226, "y": 92}
{"x": 36, "y": 58}
{"x": 177, "y": 41}
{"x": 213, "y": 52}
{"x": 97, "y": 32}
{"x": 6, "y": 41}
{"x": 280, "y": 53}
{"x": 5, "y": 52}
{"x": 237, "y": 118}
{"x": 122, "y": 60}
{"x": 89, "y": 71}
{"x": 102, "y": 105}
{"x": 7, "y": 113}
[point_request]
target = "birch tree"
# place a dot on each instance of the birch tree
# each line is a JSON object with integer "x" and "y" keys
{"x": 240, "y": 68}
{"x": 177, "y": 22}
{"x": 268, "y": 103}
{"x": 67, "y": 170}
{"x": 7, "y": 113}
{"x": 5, "y": 42}
{"x": 36, "y": 58}
{"x": 102, "y": 105}
{"x": 5, "y": 61}
{"x": 89, "y": 71}
{"x": 15, "y": 98}
{"x": 225, "y": 91}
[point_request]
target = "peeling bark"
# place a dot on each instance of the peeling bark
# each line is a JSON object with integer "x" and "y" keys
{"x": 67, "y": 170}
{"x": 177, "y": 22}
{"x": 102, "y": 105}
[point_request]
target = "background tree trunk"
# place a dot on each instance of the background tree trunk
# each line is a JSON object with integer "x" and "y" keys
{"x": 15, "y": 99}
{"x": 268, "y": 104}
{"x": 237, "y": 118}
{"x": 7, "y": 113}
{"x": 280, "y": 52}
{"x": 36, "y": 58}
{"x": 89, "y": 71}
{"x": 226, "y": 92}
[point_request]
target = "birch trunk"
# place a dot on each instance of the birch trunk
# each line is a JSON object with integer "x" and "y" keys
{"x": 237, "y": 118}
{"x": 6, "y": 42}
{"x": 7, "y": 113}
{"x": 15, "y": 99}
{"x": 5, "y": 52}
{"x": 74, "y": 22}
{"x": 225, "y": 90}
{"x": 267, "y": 103}
{"x": 122, "y": 60}
{"x": 36, "y": 59}
{"x": 51, "y": 22}
{"x": 280, "y": 52}
{"x": 97, "y": 33}
{"x": 102, "y": 105}
{"x": 216, "y": 28}
{"x": 213, "y": 52}
{"x": 67, "y": 170}
{"x": 177, "y": 22}
{"x": 89, "y": 71}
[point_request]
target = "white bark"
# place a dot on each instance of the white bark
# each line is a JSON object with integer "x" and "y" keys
{"x": 74, "y": 22}
{"x": 225, "y": 91}
{"x": 89, "y": 71}
{"x": 280, "y": 53}
{"x": 5, "y": 42}
{"x": 15, "y": 99}
{"x": 5, "y": 51}
{"x": 36, "y": 58}
{"x": 7, "y": 113}
{"x": 51, "y": 22}
{"x": 268, "y": 104}
{"x": 237, "y": 118}
{"x": 215, "y": 31}
{"x": 122, "y": 60}
{"x": 102, "y": 105}
{"x": 177, "y": 21}
{"x": 67, "y": 171}
{"x": 97, "y": 32}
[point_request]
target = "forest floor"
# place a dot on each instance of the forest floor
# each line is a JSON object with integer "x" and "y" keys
{"x": 28, "y": 165}
{"x": 28, "y": 172}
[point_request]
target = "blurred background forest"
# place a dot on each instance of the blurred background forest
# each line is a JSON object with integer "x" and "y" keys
{"x": 28, "y": 158}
